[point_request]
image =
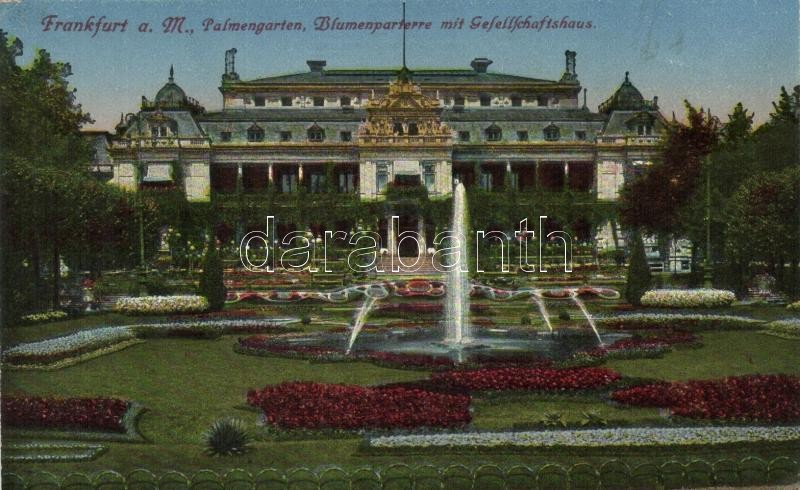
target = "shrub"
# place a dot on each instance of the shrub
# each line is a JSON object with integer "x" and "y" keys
{"x": 688, "y": 298}
{"x": 212, "y": 285}
{"x": 226, "y": 437}
{"x": 306, "y": 320}
{"x": 305, "y": 405}
{"x": 525, "y": 321}
{"x": 564, "y": 315}
{"x": 160, "y": 305}
{"x": 640, "y": 321}
{"x": 794, "y": 306}
{"x": 156, "y": 285}
{"x": 638, "y": 278}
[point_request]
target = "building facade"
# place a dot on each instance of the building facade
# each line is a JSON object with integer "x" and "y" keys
{"x": 364, "y": 132}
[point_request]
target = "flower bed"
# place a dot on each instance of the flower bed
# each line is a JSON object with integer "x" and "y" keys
{"x": 102, "y": 414}
{"x": 303, "y": 405}
{"x": 764, "y": 398}
{"x": 47, "y": 316}
{"x": 67, "y": 346}
{"x": 638, "y": 347}
{"x": 688, "y": 298}
{"x": 526, "y": 378}
{"x": 785, "y": 328}
{"x": 612, "y": 437}
{"x": 161, "y": 305}
{"x": 645, "y": 321}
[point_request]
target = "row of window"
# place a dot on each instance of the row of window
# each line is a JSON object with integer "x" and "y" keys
{"x": 315, "y": 134}
{"x": 288, "y": 101}
{"x": 494, "y": 133}
{"x": 459, "y": 100}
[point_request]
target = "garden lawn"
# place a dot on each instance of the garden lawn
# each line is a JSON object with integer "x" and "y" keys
{"x": 731, "y": 353}
{"x": 186, "y": 384}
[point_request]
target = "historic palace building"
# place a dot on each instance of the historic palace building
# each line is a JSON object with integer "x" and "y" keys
{"x": 364, "y": 133}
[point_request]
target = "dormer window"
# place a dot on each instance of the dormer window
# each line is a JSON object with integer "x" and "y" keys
{"x": 522, "y": 136}
{"x": 225, "y": 136}
{"x": 316, "y": 134}
{"x": 644, "y": 129}
{"x": 552, "y": 133}
{"x": 159, "y": 131}
{"x": 494, "y": 133}
{"x": 255, "y": 133}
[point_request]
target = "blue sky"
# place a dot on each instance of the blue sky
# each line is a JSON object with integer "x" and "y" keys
{"x": 714, "y": 53}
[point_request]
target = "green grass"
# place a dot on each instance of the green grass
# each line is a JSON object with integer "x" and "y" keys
{"x": 186, "y": 384}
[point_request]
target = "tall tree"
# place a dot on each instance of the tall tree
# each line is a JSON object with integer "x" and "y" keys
{"x": 739, "y": 126}
{"x": 653, "y": 201}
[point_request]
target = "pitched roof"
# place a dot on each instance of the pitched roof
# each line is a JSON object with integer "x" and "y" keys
{"x": 382, "y": 76}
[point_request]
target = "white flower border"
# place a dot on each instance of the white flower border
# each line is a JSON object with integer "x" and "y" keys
{"x": 688, "y": 298}
{"x": 612, "y": 437}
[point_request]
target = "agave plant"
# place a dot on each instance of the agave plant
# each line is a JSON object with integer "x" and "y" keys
{"x": 553, "y": 419}
{"x": 226, "y": 437}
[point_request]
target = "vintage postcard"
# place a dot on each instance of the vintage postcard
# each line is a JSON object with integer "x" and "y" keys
{"x": 406, "y": 245}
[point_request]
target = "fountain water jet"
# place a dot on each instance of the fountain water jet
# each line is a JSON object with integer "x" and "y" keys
{"x": 361, "y": 318}
{"x": 577, "y": 301}
{"x": 542, "y": 310}
{"x": 457, "y": 329}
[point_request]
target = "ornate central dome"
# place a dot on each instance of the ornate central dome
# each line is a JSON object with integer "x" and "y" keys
{"x": 170, "y": 95}
{"x": 626, "y": 98}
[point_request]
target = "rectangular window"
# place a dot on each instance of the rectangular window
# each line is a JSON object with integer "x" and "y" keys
{"x": 382, "y": 178}
{"x": 516, "y": 101}
{"x": 485, "y": 180}
{"x": 288, "y": 182}
{"x": 259, "y": 101}
{"x": 225, "y": 136}
{"x": 541, "y": 101}
{"x": 346, "y": 136}
{"x": 429, "y": 176}
{"x": 580, "y": 135}
{"x": 344, "y": 101}
{"x": 286, "y": 101}
{"x": 319, "y": 101}
{"x": 347, "y": 181}
{"x": 522, "y": 136}
{"x": 513, "y": 180}
{"x": 316, "y": 183}
{"x": 486, "y": 101}
{"x": 463, "y": 136}
{"x": 286, "y": 136}
{"x": 458, "y": 101}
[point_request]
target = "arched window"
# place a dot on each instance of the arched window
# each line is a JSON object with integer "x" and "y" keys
{"x": 255, "y": 133}
{"x": 494, "y": 133}
{"x": 552, "y": 133}
{"x": 316, "y": 134}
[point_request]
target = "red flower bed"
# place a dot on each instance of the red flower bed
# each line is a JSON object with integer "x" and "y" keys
{"x": 303, "y": 405}
{"x": 527, "y": 378}
{"x": 654, "y": 342}
{"x": 67, "y": 413}
{"x": 765, "y": 398}
{"x": 420, "y": 361}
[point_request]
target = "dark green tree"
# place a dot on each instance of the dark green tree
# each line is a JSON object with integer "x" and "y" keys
{"x": 739, "y": 126}
{"x": 212, "y": 285}
{"x": 638, "y": 279}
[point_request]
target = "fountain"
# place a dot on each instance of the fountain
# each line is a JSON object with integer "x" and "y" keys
{"x": 460, "y": 340}
{"x": 457, "y": 330}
